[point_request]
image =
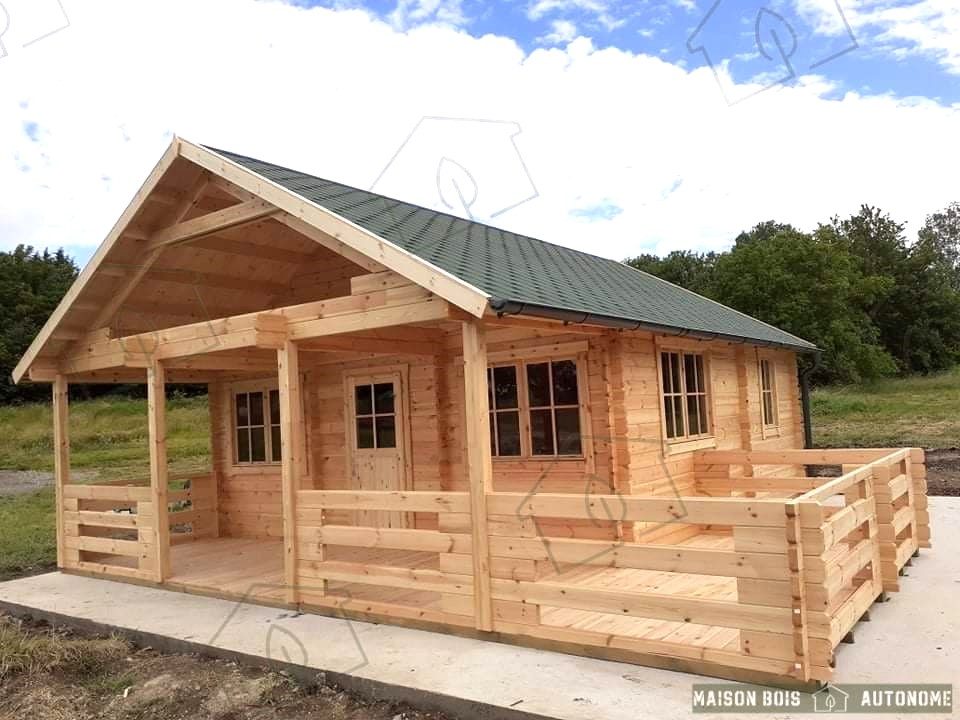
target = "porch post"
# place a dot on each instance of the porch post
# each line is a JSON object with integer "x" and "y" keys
{"x": 159, "y": 481}
{"x": 292, "y": 461}
{"x": 61, "y": 455}
{"x": 479, "y": 466}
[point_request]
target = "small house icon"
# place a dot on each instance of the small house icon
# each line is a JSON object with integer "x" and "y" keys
{"x": 830, "y": 699}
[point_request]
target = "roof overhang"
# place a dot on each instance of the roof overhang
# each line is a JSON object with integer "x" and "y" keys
{"x": 303, "y": 215}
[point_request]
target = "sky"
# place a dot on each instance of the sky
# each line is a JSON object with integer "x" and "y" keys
{"x": 613, "y": 127}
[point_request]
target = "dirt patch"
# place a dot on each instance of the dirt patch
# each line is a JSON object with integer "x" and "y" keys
{"x": 20, "y": 482}
{"x": 943, "y": 472}
{"x": 141, "y": 684}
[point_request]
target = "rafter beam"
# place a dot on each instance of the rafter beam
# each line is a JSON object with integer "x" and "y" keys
{"x": 217, "y": 221}
{"x": 187, "y": 201}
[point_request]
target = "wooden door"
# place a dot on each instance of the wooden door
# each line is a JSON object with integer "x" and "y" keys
{"x": 377, "y": 441}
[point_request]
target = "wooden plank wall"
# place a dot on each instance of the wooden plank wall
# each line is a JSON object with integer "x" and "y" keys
{"x": 249, "y": 497}
{"x": 628, "y": 452}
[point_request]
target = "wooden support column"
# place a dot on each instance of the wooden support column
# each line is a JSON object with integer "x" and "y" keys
{"x": 61, "y": 455}
{"x": 479, "y": 465}
{"x": 219, "y": 444}
{"x": 159, "y": 481}
{"x": 292, "y": 465}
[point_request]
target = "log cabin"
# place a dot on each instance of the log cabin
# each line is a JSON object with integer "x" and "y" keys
{"x": 424, "y": 420}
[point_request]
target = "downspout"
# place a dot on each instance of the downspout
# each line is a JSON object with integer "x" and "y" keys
{"x": 805, "y": 399}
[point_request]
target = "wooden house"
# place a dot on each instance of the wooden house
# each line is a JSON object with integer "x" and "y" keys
{"x": 424, "y": 420}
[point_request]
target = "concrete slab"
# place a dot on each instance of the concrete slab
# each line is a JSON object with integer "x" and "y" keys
{"x": 915, "y": 637}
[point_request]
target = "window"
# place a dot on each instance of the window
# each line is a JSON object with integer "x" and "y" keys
{"x": 376, "y": 418}
{"x": 504, "y": 398}
{"x": 257, "y": 424}
{"x": 768, "y": 395}
{"x": 684, "y": 395}
{"x": 546, "y": 395}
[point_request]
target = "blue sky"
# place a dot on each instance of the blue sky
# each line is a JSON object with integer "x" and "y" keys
{"x": 616, "y": 128}
{"x": 853, "y": 43}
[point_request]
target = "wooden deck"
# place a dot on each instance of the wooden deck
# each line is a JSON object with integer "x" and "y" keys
{"x": 253, "y": 569}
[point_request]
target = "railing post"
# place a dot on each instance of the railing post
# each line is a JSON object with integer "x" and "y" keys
{"x": 918, "y": 477}
{"x": 292, "y": 461}
{"x": 61, "y": 456}
{"x": 479, "y": 465}
{"x": 159, "y": 479}
{"x": 798, "y": 588}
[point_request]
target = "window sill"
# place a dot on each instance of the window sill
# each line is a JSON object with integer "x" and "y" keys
{"x": 684, "y": 446}
{"x": 770, "y": 431}
{"x": 542, "y": 459}
{"x": 254, "y": 468}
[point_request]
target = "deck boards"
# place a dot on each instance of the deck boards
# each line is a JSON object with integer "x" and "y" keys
{"x": 679, "y": 584}
{"x": 253, "y": 568}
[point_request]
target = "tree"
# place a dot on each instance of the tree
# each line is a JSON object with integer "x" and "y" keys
{"x": 691, "y": 270}
{"x": 917, "y": 315}
{"x": 811, "y": 288}
{"x": 31, "y": 286}
{"x": 941, "y": 233}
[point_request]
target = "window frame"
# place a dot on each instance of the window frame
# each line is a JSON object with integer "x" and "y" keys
{"x": 524, "y": 408}
{"x": 769, "y": 429}
{"x": 685, "y": 442}
{"x": 266, "y": 387}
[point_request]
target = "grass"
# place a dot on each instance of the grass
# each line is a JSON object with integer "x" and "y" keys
{"x": 28, "y": 543}
{"x": 23, "y": 651}
{"x": 897, "y": 412}
{"x": 107, "y": 435}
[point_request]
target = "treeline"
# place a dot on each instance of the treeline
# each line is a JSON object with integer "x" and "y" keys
{"x": 875, "y": 302}
{"x": 31, "y": 286}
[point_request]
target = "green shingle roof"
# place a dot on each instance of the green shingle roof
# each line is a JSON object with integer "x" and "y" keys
{"x": 522, "y": 270}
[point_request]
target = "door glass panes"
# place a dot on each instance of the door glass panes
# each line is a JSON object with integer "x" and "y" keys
{"x": 375, "y": 415}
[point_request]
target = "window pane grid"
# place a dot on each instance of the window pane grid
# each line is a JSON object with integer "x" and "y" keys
{"x": 768, "y": 404}
{"x": 375, "y": 415}
{"x": 551, "y": 409}
{"x": 684, "y": 389}
{"x": 253, "y": 444}
{"x": 503, "y": 396}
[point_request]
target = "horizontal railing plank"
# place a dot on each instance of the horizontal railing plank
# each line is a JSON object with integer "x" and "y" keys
{"x": 419, "y": 579}
{"x": 663, "y": 606}
{"x": 394, "y": 539}
{"x": 107, "y": 492}
{"x": 750, "y": 512}
{"x": 455, "y": 502}
{"x": 662, "y": 558}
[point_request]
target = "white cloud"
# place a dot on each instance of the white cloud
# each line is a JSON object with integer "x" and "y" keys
{"x": 603, "y": 12}
{"x": 408, "y": 13}
{"x": 923, "y": 27}
{"x": 562, "y": 31}
{"x": 337, "y": 92}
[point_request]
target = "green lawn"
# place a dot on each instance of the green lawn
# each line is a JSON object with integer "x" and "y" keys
{"x": 916, "y": 412}
{"x": 27, "y": 540}
{"x": 108, "y": 435}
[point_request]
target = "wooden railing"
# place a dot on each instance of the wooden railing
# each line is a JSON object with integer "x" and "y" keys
{"x": 109, "y": 528}
{"x": 193, "y": 507}
{"x": 725, "y": 592}
{"x": 329, "y": 555}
